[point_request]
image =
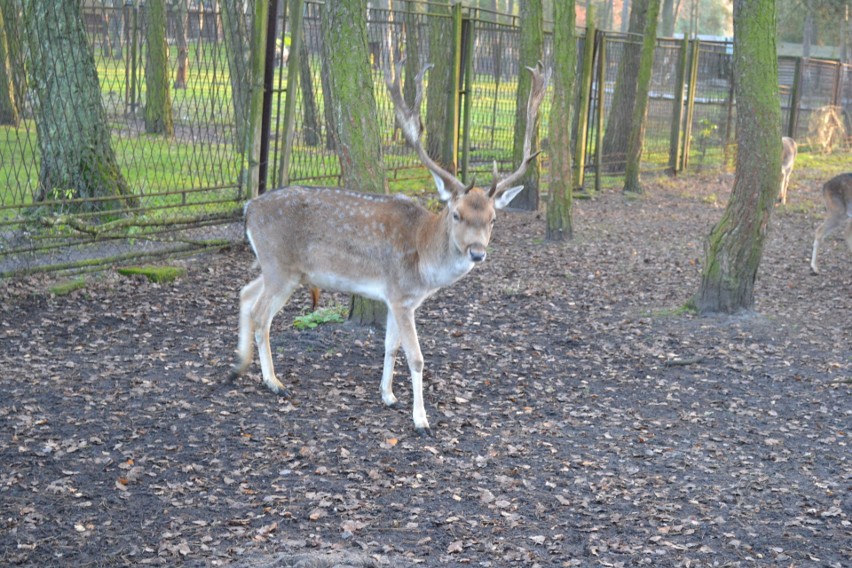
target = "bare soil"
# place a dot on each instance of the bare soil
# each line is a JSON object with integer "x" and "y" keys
{"x": 580, "y": 418}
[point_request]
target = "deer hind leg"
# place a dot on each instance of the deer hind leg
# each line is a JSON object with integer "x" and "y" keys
{"x": 391, "y": 349}
{"x": 828, "y": 226}
{"x": 269, "y": 302}
{"x": 248, "y": 297}
{"x": 411, "y": 346}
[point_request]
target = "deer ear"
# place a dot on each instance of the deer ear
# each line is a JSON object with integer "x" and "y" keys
{"x": 443, "y": 192}
{"x": 507, "y": 196}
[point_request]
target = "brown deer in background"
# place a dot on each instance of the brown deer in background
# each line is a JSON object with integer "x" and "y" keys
{"x": 383, "y": 247}
{"x": 789, "y": 149}
{"x": 837, "y": 193}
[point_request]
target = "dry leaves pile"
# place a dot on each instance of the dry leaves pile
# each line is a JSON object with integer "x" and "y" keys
{"x": 578, "y": 419}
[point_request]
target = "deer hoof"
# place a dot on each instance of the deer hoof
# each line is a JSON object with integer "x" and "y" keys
{"x": 425, "y": 432}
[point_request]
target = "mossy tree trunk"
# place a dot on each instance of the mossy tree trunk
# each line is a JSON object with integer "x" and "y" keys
{"x": 439, "y": 84}
{"x": 237, "y": 47}
{"x": 735, "y": 245}
{"x": 643, "y": 83}
{"x": 77, "y": 158}
{"x": 353, "y": 112}
{"x": 8, "y": 105}
{"x": 560, "y": 205}
{"x": 158, "y": 101}
{"x": 531, "y": 52}
{"x": 616, "y": 134}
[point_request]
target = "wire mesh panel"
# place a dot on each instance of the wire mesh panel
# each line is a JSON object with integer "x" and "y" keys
{"x": 661, "y": 106}
{"x": 177, "y": 184}
{"x": 820, "y": 118}
{"x": 712, "y": 119}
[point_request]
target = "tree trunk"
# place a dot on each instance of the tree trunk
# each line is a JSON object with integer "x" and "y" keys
{"x": 413, "y": 45}
{"x": 560, "y": 221}
{"x": 625, "y": 15}
{"x": 237, "y": 47}
{"x": 77, "y": 159}
{"x": 310, "y": 123}
{"x": 353, "y": 108}
{"x": 531, "y": 53}
{"x": 616, "y": 135}
{"x": 637, "y": 124}
{"x": 8, "y": 105}
{"x": 735, "y": 245}
{"x": 181, "y": 20}
{"x": 438, "y": 95}
{"x": 158, "y": 102}
{"x": 667, "y": 24}
{"x": 809, "y": 30}
{"x": 12, "y": 21}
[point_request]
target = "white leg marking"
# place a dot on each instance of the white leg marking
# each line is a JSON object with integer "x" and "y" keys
{"x": 391, "y": 348}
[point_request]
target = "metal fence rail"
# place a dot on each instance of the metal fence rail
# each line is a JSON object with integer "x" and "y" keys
{"x": 191, "y": 186}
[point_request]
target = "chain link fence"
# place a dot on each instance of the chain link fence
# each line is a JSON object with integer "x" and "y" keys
{"x": 187, "y": 187}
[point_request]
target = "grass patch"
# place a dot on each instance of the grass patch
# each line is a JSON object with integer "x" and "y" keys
{"x": 156, "y": 274}
{"x": 334, "y": 314}
{"x": 67, "y": 286}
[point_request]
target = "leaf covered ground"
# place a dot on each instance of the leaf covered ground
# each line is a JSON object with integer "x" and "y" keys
{"x": 580, "y": 417}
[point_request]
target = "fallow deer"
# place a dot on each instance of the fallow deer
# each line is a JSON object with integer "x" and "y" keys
{"x": 837, "y": 193}
{"x": 789, "y": 149}
{"x": 383, "y": 247}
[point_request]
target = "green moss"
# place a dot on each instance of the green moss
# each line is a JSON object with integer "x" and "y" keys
{"x": 67, "y": 286}
{"x": 334, "y": 314}
{"x": 158, "y": 274}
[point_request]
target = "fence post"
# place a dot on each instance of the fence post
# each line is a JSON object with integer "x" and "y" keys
{"x": 599, "y": 122}
{"x": 583, "y": 108}
{"x": 467, "y": 70}
{"x": 690, "y": 102}
{"x": 252, "y": 135}
{"x": 295, "y": 14}
{"x": 675, "y": 137}
{"x": 449, "y": 155}
{"x": 268, "y": 84}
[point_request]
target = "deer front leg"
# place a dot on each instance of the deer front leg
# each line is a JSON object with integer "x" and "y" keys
{"x": 267, "y": 305}
{"x": 391, "y": 348}
{"x": 408, "y": 337}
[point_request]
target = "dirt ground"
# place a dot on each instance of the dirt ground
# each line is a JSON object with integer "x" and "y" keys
{"x": 579, "y": 417}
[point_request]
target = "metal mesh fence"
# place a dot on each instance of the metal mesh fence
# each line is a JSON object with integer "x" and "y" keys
{"x": 186, "y": 188}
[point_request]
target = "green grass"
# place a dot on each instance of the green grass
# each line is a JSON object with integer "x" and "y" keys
{"x": 156, "y": 274}
{"x": 65, "y": 287}
{"x": 333, "y": 314}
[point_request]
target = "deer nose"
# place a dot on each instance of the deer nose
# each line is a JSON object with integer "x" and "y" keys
{"x": 477, "y": 254}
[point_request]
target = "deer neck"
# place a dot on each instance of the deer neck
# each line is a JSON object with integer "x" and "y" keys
{"x": 441, "y": 262}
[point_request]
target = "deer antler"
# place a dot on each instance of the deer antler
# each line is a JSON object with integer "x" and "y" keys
{"x": 411, "y": 126}
{"x": 537, "y": 91}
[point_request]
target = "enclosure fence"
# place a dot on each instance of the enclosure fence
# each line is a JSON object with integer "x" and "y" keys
{"x": 186, "y": 185}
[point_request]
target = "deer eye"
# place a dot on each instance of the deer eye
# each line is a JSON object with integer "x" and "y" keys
{"x": 493, "y": 221}
{"x": 456, "y": 216}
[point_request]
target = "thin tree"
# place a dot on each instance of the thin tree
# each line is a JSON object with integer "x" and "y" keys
{"x": 238, "y": 50}
{"x": 8, "y": 105}
{"x": 614, "y": 148}
{"x": 181, "y": 31}
{"x": 643, "y": 83}
{"x": 12, "y": 21}
{"x": 735, "y": 245}
{"x": 77, "y": 158}
{"x": 158, "y": 101}
{"x": 531, "y": 53}
{"x": 560, "y": 217}
{"x": 353, "y": 111}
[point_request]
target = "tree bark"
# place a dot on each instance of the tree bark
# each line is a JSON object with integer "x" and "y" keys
{"x": 560, "y": 220}
{"x": 8, "y": 105}
{"x": 353, "y": 108}
{"x": 735, "y": 245}
{"x": 667, "y": 24}
{"x": 158, "y": 102}
{"x": 181, "y": 28}
{"x": 532, "y": 50}
{"x": 237, "y": 47}
{"x": 77, "y": 159}
{"x": 643, "y": 83}
{"x": 438, "y": 95}
{"x": 616, "y": 134}
{"x": 12, "y": 21}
